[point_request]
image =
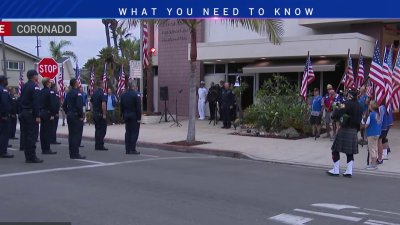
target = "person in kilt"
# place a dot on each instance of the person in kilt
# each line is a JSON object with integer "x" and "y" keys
{"x": 350, "y": 115}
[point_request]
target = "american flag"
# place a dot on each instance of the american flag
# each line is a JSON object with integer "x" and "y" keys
{"x": 105, "y": 77}
{"x": 91, "y": 88}
{"x": 78, "y": 75}
{"x": 61, "y": 84}
{"x": 145, "y": 46}
{"x": 396, "y": 83}
{"x": 360, "y": 74}
{"x": 369, "y": 89}
{"x": 387, "y": 74}
{"x": 21, "y": 82}
{"x": 121, "y": 82}
{"x": 376, "y": 76}
{"x": 349, "y": 77}
{"x": 308, "y": 78}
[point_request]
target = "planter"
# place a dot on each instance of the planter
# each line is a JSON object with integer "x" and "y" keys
{"x": 150, "y": 119}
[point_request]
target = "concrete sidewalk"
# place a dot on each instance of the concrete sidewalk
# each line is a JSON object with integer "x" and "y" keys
{"x": 300, "y": 152}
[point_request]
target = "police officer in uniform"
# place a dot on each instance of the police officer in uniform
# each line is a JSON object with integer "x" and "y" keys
{"x": 46, "y": 117}
{"x": 227, "y": 105}
{"x": 131, "y": 112}
{"x": 55, "y": 101}
{"x": 99, "y": 112}
{"x": 5, "y": 110}
{"x": 30, "y": 118}
{"x": 13, "y": 113}
{"x": 73, "y": 107}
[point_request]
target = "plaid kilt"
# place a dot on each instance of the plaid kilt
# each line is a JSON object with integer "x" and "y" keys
{"x": 346, "y": 141}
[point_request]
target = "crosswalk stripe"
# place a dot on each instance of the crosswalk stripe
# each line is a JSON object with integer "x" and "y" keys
{"x": 336, "y": 216}
{"x": 290, "y": 219}
{"x": 382, "y": 222}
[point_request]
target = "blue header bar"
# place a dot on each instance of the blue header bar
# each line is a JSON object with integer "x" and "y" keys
{"x": 169, "y": 9}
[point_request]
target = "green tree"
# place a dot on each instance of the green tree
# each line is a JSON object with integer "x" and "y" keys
{"x": 113, "y": 29}
{"x": 57, "y": 52}
{"x": 106, "y": 23}
{"x": 269, "y": 27}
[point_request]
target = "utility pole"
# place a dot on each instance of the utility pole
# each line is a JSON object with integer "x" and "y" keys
{"x": 38, "y": 45}
{"x": 3, "y": 48}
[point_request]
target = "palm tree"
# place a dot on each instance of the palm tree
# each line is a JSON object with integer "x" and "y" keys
{"x": 272, "y": 28}
{"x": 122, "y": 33}
{"x": 113, "y": 28}
{"x": 56, "y": 50}
{"x": 106, "y": 23}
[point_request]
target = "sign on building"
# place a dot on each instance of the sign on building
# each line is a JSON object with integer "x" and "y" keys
{"x": 135, "y": 69}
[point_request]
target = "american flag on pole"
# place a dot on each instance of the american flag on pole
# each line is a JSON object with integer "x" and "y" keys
{"x": 387, "y": 74}
{"x": 21, "y": 82}
{"x": 121, "y": 82}
{"x": 61, "y": 84}
{"x": 396, "y": 83}
{"x": 369, "y": 89}
{"x": 91, "y": 88}
{"x": 361, "y": 71}
{"x": 376, "y": 76}
{"x": 349, "y": 77}
{"x": 78, "y": 75}
{"x": 145, "y": 46}
{"x": 105, "y": 78}
{"x": 308, "y": 78}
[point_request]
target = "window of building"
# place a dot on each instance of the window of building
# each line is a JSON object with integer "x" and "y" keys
{"x": 208, "y": 68}
{"x": 15, "y": 65}
{"x": 236, "y": 67}
{"x": 219, "y": 68}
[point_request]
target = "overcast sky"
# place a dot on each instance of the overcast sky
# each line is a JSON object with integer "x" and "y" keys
{"x": 87, "y": 44}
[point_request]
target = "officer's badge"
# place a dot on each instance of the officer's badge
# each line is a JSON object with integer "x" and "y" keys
{"x": 51, "y": 92}
{"x": 37, "y": 88}
{"x": 79, "y": 94}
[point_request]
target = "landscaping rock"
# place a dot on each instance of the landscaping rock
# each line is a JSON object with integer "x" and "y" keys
{"x": 289, "y": 133}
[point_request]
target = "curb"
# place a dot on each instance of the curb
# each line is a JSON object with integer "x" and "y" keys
{"x": 231, "y": 154}
{"x": 173, "y": 148}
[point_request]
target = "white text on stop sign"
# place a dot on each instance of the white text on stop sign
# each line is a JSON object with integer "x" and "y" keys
{"x": 47, "y": 68}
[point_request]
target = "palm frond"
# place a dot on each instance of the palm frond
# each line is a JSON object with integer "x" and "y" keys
{"x": 271, "y": 27}
{"x": 70, "y": 54}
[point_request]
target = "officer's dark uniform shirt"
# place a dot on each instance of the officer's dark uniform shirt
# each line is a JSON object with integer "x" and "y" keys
{"x": 5, "y": 99}
{"x": 97, "y": 99}
{"x": 45, "y": 101}
{"x": 30, "y": 98}
{"x": 55, "y": 102}
{"x": 227, "y": 97}
{"x": 73, "y": 103}
{"x": 131, "y": 105}
{"x": 14, "y": 105}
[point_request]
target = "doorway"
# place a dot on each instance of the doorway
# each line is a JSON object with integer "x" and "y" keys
{"x": 248, "y": 94}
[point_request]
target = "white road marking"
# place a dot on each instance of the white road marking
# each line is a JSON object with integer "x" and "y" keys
{"x": 361, "y": 213}
{"x": 387, "y": 212}
{"x": 336, "y": 216}
{"x": 382, "y": 222}
{"x": 290, "y": 219}
{"x": 371, "y": 223}
{"x": 98, "y": 165}
{"x": 334, "y": 206}
{"x": 153, "y": 156}
{"x": 12, "y": 149}
{"x": 89, "y": 161}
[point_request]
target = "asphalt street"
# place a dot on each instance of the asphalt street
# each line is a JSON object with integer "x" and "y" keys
{"x": 171, "y": 188}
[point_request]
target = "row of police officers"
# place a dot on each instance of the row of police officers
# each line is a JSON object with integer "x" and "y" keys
{"x": 41, "y": 106}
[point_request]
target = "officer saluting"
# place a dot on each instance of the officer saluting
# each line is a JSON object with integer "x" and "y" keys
{"x": 5, "y": 110}
{"x": 73, "y": 107}
{"x": 30, "y": 108}
{"x": 99, "y": 112}
{"x": 46, "y": 117}
{"x": 131, "y": 111}
{"x": 55, "y": 102}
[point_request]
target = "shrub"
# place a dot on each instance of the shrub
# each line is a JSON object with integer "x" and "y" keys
{"x": 278, "y": 107}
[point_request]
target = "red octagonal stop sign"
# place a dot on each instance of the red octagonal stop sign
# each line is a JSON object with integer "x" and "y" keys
{"x": 48, "y": 67}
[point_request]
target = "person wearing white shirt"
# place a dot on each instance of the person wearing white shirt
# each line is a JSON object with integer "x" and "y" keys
{"x": 202, "y": 94}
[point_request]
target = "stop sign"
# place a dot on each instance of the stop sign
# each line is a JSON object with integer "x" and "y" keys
{"x": 48, "y": 67}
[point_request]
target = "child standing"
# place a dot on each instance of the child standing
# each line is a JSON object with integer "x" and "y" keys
{"x": 373, "y": 126}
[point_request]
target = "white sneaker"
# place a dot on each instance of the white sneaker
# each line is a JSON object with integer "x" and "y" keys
{"x": 371, "y": 167}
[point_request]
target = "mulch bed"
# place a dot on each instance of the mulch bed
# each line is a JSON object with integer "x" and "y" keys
{"x": 270, "y": 136}
{"x": 185, "y": 143}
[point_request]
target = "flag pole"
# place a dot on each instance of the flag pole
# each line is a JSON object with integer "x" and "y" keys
{"x": 358, "y": 68}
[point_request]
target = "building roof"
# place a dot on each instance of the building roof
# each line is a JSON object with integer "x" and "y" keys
{"x": 63, "y": 59}
{"x": 21, "y": 51}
